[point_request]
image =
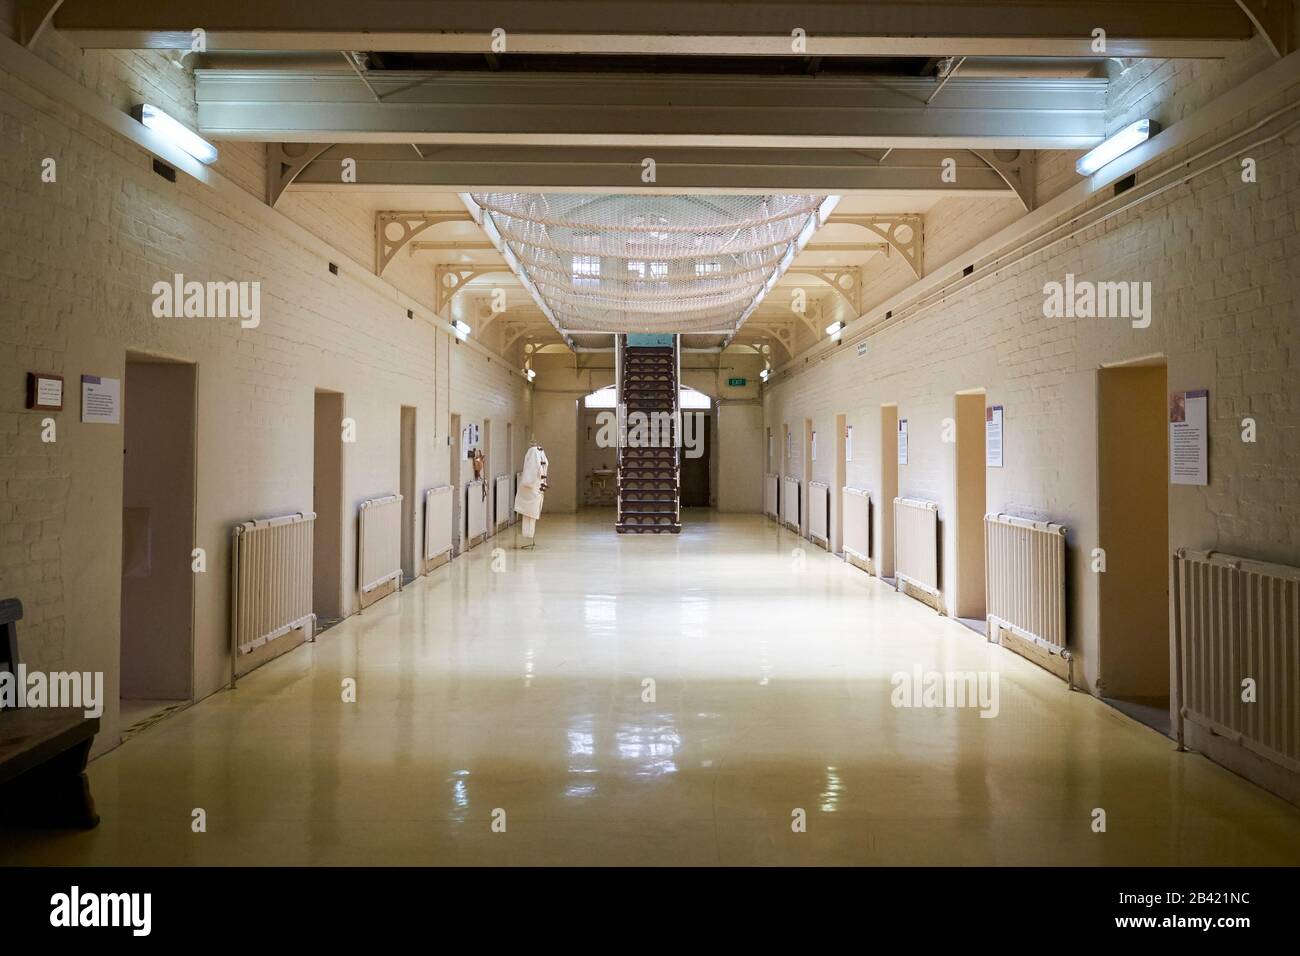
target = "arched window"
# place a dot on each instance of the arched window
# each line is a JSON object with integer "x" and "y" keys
{"x": 606, "y": 398}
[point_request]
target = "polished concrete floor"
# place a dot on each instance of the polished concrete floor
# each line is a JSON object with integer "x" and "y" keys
{"x": 519, "y": 688}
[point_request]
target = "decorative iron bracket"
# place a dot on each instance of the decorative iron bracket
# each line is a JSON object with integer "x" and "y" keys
{"x": 1018, "y": 169}
{"x": 395, "y": 229}
{"x": 846, "y": 280}
{"x": 284, "y": 161}
{"x": 904, "y": 233}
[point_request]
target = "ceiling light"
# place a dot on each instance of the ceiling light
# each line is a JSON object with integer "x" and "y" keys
{"x": 835, "y": 328}
{"x": 1135, "y": 134}
{"x": 176, "y": 133}
{"x": 461, "y": 329}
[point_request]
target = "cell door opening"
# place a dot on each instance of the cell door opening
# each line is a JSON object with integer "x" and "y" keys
{"x": 407, "y": 490}
{"x": 888, "y": 488}
{"x": 970, "y": 495}
{"x": 1133, "y": 521}
{"x": 157, "y": 610}
{"x": 327, "y": 502}
{"x": 458, "y": 492}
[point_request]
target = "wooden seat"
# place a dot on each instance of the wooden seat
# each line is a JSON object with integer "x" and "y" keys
{"x": 43, "y": 752}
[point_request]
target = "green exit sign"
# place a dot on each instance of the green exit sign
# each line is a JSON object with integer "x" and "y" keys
{"x": 736, "y": 382}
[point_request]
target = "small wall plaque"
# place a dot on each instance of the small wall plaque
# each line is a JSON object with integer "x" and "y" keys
{"x": 45, "y": 391}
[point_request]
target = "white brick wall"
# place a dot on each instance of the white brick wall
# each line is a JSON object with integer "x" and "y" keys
{"x": 78, "y": 259}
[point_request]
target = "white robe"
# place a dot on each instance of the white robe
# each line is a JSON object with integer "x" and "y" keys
{"x": 528, "y": 499}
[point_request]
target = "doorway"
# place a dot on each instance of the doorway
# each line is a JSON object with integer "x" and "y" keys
{"x": 970, "y": 495}
{"x": 407, "y": 490}
{"x": 157, "y": 610}
{"x": 696, "y": 471}
{"x": 327, "y": 502}
{"x": 489, "y": 479}
{"x": 837, "y": 485}
{"x": 1133, "y": 520}
{"x": 509, "y": 516}
{"x": 806, "y": 479}
{"x": 888, "y": 487}
{"x": 457, "y": 492}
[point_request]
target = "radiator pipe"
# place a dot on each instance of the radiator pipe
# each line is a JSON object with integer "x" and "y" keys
{"x": 1174, "y": 591}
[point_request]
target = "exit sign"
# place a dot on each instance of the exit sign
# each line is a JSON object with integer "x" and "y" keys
{"x": 736, "y": 382}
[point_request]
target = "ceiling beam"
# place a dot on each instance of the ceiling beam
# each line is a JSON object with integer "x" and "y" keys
{"x": 385, "y": 167}
{"x": 1135, "y": 28}
{"x": 316, "y": 104}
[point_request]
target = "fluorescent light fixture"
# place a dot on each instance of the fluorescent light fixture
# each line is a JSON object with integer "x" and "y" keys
{"x": 835, "y": 328}
{"x": 461, "y": 329}
{"x": 1135, "y": 134}
{"x": 176, "y": 133}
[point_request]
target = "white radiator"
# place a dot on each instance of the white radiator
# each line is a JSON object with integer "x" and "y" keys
{"x": 1024, "y": 583}
{"x": 819, "y": 516}
{"x": 1237, "y": 619}
{"x": 857, "y": 523}
{"x": 271, "y": 580}
{"x": 502, "y": 516}
{"x": 916, "y": 543}
{"x": 437, "y": 522}
{"x": 790, "y": 502}
{"x": 475, "y": 511}
{"x": 772, "y": 496}
{"x": 379, "y": 544}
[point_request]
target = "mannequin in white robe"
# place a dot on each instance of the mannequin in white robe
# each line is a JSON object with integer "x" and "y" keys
{"x": 532, "y": 488}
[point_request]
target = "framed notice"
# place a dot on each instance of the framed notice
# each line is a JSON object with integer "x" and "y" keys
{"x": 45, "y": 391}
{"x": 902, "y": 441}
{"x": 814, "y": 446}
{"x": 101, "y": 400}
{"x": 848, "y": 442}
{"x": 993, "y": 436}
{"x": 1189, "y": 440}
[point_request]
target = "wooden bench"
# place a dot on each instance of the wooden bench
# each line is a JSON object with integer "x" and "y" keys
{"x": 43, "y": 751}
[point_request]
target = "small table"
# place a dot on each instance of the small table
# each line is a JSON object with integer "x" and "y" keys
{"x": 43, "y": 753}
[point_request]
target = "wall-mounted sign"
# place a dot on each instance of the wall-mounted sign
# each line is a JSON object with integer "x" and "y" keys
{"x": 993, "y": 436}
{"x": 1189, "y": 438}
{"x": 45, "y": 391}
{"x": 736, "y": 382}
{"x": 862, "y": 348}
{"x": 101, "y": 400}
{"x": 814, "y": 446}
{"x": 902, "y": 441}
{"x": 848, "y": 442}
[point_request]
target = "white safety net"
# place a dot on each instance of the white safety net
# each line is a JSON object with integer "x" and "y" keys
{"x": 648, "y": 263}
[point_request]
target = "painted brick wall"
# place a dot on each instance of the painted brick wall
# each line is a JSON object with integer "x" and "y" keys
{"x": 1223, "y": 258}
{"x": 78, "y": 259}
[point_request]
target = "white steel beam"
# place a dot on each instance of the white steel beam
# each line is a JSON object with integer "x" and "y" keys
{"x": 385, "y": 167}
{"x": 1134, "y": 28}
{"x": 315, "y": 105}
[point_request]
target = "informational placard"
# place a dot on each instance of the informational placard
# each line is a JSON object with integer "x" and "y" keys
{"x": 1189, "y": 446}
{"x": 862, "y": 348}
{"x": 814, "y": 446}
{"x": 45, "y": 391}
{"x": 848, "y": 442}
{"x": 993, "y": 436}
{"x": 101, "y": 400}
{"x": 902, "y": 441}
{"x": 736, "y": 382}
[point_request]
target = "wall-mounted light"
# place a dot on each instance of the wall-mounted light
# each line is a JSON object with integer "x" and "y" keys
{"x": 530, "y": 373}
{"x": 462, "y": 329}
{"x": 835, "y": 328}
{"x": 1135, "y": 134}
{"x": 176, "y": 133}
{"x": 764, "y": 374}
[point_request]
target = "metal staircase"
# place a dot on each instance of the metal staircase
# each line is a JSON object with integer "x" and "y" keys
{"x": 648, "y": 370}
